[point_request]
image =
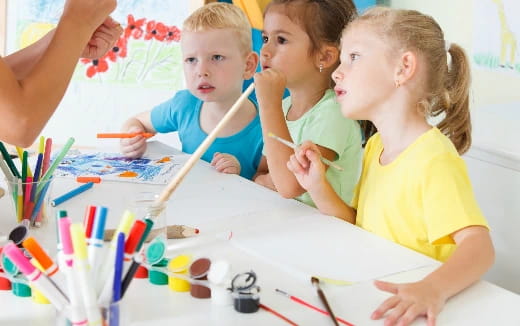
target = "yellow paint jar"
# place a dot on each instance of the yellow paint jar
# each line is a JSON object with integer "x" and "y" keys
{"x": 179, "y": 265}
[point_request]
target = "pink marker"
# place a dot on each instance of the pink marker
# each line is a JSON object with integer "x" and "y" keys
{"x": 46, "y": 156}
{"x": 37, "y": 278}
{"x": 78, "y": 315}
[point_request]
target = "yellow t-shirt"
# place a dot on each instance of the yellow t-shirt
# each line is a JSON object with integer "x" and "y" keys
{"x": 420, "y": 198}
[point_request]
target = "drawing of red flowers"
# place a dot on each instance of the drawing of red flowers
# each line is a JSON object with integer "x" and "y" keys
{"x": 134, "y": 27}
{"x": 155, "y": 30}
{"x": 97, "y": 66}
{"x": 173, "y": 34}
{"x": 119, "y": 50}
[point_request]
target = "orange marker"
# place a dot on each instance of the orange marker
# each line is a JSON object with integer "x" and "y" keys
{"x": 88, "y": 179}
{"x": 125, "y": 135}
{"x": 34, "y": 248}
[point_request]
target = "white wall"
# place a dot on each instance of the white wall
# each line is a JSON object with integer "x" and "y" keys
{"x": 497, "y": 188}
{"x": 495, "y": 177}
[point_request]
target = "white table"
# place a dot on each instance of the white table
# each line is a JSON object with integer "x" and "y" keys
{"x": 283, "y": 241}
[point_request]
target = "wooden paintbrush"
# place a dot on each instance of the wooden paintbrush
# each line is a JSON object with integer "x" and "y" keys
{"x": 316, "y": 283}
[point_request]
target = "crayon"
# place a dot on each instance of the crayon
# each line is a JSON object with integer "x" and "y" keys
{"x": 9, "y": 161}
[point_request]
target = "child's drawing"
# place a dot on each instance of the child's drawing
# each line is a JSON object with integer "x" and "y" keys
{"x": 496, "y": 40}
{"x": 114, "y": 167}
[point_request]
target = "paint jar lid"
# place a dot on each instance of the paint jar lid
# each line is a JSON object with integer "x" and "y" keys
{"x": 157, "y": 277}
{"x": 5, "y": 284}
{"x": 179, "y": 264}
{"x": 141, "y": 272}
{"x": 155, "y": 251}
{"x": 219, "y": 272}
{"x": 21, "y": 289}
{"x": 8, "y": 266}
{"x": 199, "y": 268}
{"x": 18, "y": 234}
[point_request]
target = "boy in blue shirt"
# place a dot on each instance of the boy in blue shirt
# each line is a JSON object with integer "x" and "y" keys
{"x": 217, "y": 58}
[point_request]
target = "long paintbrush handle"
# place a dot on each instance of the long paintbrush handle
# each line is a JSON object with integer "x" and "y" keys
{"x": 177, "y": 179}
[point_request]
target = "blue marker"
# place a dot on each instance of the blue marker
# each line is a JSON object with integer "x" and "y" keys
{"x": 71, "y": 194}
{"x": 118, "y": 267}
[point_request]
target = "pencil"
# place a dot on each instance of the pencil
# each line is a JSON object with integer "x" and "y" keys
{"x": 125, "y": 135}
{"x": 172, "y": 231}
{"x": 277, "y": 314}
{"x": 308, "y": 305}
{"x": 294, "y": 146}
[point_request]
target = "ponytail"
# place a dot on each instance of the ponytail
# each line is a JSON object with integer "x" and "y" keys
{"x": 455, "y": 101}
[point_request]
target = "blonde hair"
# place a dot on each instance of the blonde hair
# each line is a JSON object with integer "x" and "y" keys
{"x": 446, "y": 88}
{"x": 219, "y": 15}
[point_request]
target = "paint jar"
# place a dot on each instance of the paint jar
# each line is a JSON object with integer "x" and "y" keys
{"x": 245, "y": 292}
{"x": 179, "y": 265}
{"x": 144, "y": 206}
{"x": 114, "y": 314}
{"x": 199, "y": 271}
{"x": 156, "y": 276}
{"x": 219, "y": 278}
{"x": 30, "y": 201}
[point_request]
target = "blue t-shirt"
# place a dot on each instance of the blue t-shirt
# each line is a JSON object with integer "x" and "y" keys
{"x": 182, "y": 114}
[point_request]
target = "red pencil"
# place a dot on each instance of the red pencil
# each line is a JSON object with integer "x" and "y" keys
{"x": 300, "y": 301}
{"x": 277, "y": 314}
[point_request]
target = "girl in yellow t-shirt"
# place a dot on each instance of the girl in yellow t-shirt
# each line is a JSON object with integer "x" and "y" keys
{"x": 414, "y": 188}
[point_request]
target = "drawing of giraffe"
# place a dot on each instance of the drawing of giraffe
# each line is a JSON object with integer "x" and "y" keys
{"x": 508, "y": 40}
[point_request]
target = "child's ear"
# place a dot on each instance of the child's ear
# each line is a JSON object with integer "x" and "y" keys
{"x": 251, "y": 64}
{"x": 406, "y": 67}
{"x": 328, "y": 57}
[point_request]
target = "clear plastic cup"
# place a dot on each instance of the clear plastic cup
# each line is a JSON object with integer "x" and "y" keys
{"x": 144, "y": 207}
{"x": 30, "y": 201}
{"x": 115, "y": 314}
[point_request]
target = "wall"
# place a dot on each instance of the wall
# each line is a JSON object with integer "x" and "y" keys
{"x": 495, "y": 173}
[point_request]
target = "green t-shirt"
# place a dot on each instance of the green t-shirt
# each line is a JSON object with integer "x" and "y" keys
{"x": 324, "y": 125}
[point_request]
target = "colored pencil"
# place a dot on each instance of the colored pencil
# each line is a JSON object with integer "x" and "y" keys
{"x": 308, "y": 305}
{"x": 294, "y": 146}
{"x": 125, "y": 135}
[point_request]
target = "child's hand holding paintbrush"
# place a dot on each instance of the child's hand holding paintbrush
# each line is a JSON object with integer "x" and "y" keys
{"x": 315, "y": 148}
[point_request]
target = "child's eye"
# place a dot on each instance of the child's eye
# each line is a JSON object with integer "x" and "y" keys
{"x": 190, "y": 60}
{"x": 264, "y": 39}
{"x": 281, "y": 40}
{"x": 354, "y": 56}
{"x": 218, "y": 57}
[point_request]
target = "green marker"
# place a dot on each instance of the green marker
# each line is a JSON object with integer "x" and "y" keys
{"x": 54, "y": 164}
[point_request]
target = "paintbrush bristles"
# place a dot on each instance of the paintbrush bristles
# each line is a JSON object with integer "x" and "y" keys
{"x": 316, "y": 283}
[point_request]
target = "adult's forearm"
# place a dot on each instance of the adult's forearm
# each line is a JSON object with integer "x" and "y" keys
{"x": 23, "y": 61}
{"x": 35, "y": 97}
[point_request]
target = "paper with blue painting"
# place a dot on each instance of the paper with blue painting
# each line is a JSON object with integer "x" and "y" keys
{"x": 115, "y": 167}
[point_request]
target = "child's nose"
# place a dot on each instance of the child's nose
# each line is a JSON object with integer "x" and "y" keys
{"x": 203, "y": 70}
